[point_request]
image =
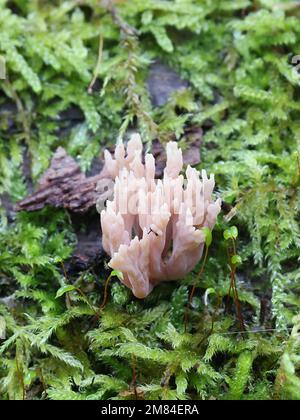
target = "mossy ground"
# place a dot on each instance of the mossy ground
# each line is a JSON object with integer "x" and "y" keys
{"x": 237, "y": 57}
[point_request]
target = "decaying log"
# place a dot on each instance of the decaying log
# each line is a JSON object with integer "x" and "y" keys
{"x": 64, "y": 185}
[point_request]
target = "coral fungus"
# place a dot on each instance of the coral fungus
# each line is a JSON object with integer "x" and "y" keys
{"x": 152, "y": 229}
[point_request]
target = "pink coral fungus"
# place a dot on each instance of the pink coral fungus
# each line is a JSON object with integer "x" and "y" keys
{"x": 152, "y": 229}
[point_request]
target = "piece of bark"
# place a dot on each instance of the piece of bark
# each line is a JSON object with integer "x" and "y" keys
{"x": 64, "y": 185}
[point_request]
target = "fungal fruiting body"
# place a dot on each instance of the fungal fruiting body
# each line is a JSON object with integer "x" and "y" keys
{"x": 152, "y": 229}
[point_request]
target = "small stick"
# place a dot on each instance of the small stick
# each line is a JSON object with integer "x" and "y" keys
{"x": 105, "y": 294}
